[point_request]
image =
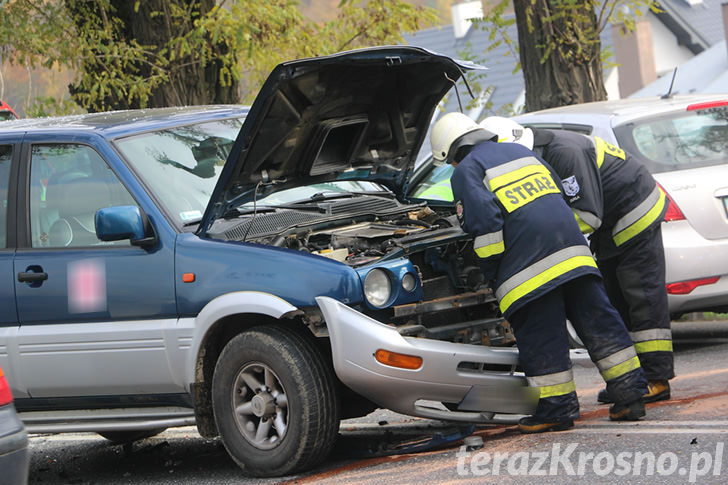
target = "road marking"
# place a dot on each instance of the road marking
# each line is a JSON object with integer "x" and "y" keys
{"x": 171, "y": 433}
{"x": 621, "y": 430}
{"x": 657, "y": 422}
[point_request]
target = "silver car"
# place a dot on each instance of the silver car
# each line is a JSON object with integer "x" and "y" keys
{"x": 683, "y": 140}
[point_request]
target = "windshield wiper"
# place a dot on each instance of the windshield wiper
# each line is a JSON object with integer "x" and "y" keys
{"x": 236, "y": 212}
{"x": 321, "y": 196}
{"x": 193, "y": 222}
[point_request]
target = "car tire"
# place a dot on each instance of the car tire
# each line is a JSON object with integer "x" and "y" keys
{"x": 274, "y": 400}
{"x": 127, "y": 436}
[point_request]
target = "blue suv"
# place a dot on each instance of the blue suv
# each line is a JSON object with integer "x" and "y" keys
{"x": 257, "y": 272}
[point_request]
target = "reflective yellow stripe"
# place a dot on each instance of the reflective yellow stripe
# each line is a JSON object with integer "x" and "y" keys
{"x": 503, "y": 169}
{"x": 603, "y": 147}
{"x": 499, "y": 181}
{"x": 583, "y": 226}
{"x": 616, "y": 358}
{"x": 490, "y": 250}
{"x": 557, "y": 390}
{"x": 587, "y": 227}
{"x": 487, "y": 245}
{"x": 541, "y": 278}
{"x": 653, "y": 346}
{"x": 621, "y": 369}
{"x": 556, "y": 384}
{"x": 621, "y": 237}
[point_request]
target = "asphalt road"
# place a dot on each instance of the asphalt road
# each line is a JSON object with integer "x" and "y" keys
{"x": 682, "y": 440}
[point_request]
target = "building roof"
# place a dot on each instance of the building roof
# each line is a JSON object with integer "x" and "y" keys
{"x": 698, "y": 24}
{"x": 705, "y": 73}
{"x": 501, "y": 63}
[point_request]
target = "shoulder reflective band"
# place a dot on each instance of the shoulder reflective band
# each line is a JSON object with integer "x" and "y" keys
{"x": 556, "y": 384}
{"x": 527, "y": 180}
{"x": 588, "y": 222}
{"x": 618, "y": 363}
{"x": 541, "y": 272}
{"x": 488, "y": 245}
{"x": 603, "y": 147}
{"x": 652, "y": 340}
{"x": 504, "y": 174}
{"x": 639, "y": 218}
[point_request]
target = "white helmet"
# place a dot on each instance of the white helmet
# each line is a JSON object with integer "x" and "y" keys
{"x": 508, "y": 131}
{"x": 449, "y": 134}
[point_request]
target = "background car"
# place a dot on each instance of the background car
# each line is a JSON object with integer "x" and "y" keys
{"x": 14, "y": 456}
{"x": 6, "y": 112}
{"x": 683, "y": 141}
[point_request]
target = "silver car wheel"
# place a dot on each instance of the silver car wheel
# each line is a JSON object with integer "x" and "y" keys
{"x": 261, "y": 406}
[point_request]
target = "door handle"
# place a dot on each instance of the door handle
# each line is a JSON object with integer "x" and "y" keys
{"x": 32, "y": 277}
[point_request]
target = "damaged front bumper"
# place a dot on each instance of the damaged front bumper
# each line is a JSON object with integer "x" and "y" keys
{"x": 456, "y": 382}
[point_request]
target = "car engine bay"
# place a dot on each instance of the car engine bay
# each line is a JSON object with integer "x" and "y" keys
{"x": 362, "y": 229}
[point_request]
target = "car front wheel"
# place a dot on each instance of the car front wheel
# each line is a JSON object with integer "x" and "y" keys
{"x": 274, "y": 401}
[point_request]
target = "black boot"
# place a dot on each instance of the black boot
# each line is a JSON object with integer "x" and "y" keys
{"x": 531, "y": 424}
{"x": 627, "y": 412}
{"x": 603, "y": 397}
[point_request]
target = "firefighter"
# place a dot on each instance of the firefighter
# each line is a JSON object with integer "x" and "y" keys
{"x": 535, "y": 258}
{"x": 618, "y": 203}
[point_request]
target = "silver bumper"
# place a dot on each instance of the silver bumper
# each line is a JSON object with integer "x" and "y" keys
{"x": 480, "y": 380}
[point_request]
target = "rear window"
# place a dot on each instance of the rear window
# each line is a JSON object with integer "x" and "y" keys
{"x": 678, "y": 141}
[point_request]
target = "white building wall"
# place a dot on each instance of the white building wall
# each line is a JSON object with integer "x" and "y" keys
{"x": 668, "y": 54}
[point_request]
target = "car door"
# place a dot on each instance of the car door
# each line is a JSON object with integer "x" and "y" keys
{"x": 8, "y": 313}
{"x": 92, "y": 314}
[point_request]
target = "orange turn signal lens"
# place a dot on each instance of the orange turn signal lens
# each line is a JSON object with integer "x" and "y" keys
{"x": 188, "y": 278}
{"x": 394, "y": 359}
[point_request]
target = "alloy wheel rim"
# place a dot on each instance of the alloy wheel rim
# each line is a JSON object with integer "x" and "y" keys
{"x": 260, "y": 406}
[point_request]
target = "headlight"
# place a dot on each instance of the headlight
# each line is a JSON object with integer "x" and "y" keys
{"x": 409, "y": 282}
{"x": 377, "y": 287}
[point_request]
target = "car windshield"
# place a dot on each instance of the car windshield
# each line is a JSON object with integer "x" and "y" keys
{"x": 181, "y": 166}
{"x": 679, "y": 141}
{"x": 314, "y": 192}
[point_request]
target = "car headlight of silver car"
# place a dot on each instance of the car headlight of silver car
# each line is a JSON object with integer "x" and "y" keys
{"x": 377, "y": 287}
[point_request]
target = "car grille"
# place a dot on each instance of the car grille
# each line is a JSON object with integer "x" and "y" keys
{"x": 368, "y": 204}
{"x": 270, "y": 224}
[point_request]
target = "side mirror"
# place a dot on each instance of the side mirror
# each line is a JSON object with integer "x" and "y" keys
{"x": 125, "y": 222}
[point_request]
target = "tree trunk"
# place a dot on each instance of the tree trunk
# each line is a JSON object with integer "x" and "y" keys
{"x": 560, "y": 52}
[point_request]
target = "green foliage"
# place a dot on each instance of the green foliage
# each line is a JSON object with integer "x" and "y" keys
{"x": 50, "y": 106}
{"x": 193, "y": 42}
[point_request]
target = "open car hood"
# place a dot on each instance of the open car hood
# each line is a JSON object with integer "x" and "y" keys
{"x": 356, "y": 115}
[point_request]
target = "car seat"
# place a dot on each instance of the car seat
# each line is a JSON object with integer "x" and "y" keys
{"x": 76, "y": 197}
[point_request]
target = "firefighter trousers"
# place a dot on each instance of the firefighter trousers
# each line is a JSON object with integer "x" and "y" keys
{"x": 543, "y": 344}
{"x": 635, "y": 283}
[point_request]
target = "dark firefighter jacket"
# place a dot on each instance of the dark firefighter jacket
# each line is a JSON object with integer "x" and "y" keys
{"x": 611, "y": 194}
{"x": 526, "y": 237}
